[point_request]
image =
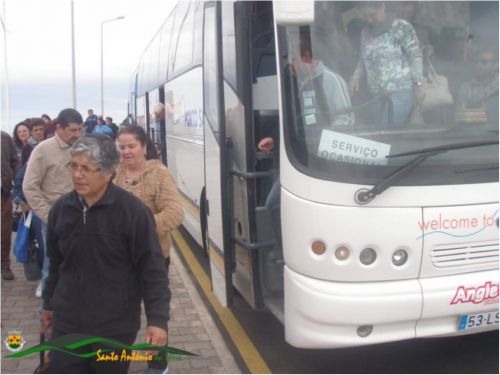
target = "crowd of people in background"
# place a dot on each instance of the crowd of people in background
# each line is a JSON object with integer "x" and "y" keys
{"x": 74, "y": 177}
{"x": 97, "y": 125}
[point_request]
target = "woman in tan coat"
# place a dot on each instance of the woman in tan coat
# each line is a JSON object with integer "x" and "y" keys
{"x": 142, "y": 174}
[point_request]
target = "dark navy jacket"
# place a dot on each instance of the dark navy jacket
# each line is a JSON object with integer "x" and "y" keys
{"x": 103, "y": 261}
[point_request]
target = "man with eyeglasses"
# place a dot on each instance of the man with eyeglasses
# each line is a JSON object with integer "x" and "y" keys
{"x": 46, "y": 177}
{"x": 482, "y": 90}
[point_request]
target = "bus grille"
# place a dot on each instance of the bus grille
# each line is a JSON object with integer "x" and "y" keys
{"x": 464, "y": 254}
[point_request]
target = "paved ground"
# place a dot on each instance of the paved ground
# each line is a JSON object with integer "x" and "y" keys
{"x": 191, "y": 327}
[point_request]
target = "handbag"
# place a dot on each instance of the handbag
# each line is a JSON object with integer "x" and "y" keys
{"x": 471, "y": 115}
{"x": 32, "y": 270}
{"x": 436, "y": 90}
{"x": 23, "y": 238}
{"x": 17, "y": 214}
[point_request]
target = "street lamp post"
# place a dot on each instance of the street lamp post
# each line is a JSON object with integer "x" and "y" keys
{"x": 73, "y": 68}
{"x": 102, "y": 60}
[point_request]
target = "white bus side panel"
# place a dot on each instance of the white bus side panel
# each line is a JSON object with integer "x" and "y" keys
{"x": 326, "y": 314}
{"x": 184, "y": 128}
{"x": 459, "y": 239}
{"x": 323, "y": 314}
{"x": 384, "y": 230}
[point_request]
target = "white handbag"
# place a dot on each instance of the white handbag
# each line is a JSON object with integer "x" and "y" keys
{"x": 436, "y": 90}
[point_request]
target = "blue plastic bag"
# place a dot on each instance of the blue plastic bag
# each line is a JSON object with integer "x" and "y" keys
{"x": 23, "y": 239}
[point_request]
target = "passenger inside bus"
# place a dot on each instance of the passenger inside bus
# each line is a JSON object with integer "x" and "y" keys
{"x": 452, "y": 54}
{"x": 391, "y": 61}
{"x": 324, "y": 100}
{"x": 477, "y": 98}
{"x": 427, "y": 35}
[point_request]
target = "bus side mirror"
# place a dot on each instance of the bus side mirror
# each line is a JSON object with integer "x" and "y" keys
{"x": 293, "y": 13}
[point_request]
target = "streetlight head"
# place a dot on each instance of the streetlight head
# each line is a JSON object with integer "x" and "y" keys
{"x": 120, "y": 18}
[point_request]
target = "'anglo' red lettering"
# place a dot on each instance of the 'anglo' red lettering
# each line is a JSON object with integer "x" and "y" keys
{"x": 483, "y": 293}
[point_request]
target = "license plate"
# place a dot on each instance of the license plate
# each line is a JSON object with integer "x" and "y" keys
{"x": 472, "y": 321}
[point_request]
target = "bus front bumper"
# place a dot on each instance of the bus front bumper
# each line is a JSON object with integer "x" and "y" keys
{"x": 327, "y": 314}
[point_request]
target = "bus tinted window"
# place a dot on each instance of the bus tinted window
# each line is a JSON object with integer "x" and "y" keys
{"x": 181, "y": 12}
{"x": 184, "y": 52}
{"x": 198, "y": 33}
{"x": 365, "y": 77}
{"x": 228, "y": 43}
{"x": 151, "y": 65}
{"x": 166, "y": 33}
{"x": 210, "y": 69}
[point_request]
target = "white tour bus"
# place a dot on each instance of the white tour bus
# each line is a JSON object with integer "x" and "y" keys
{"x": 389, "y": 226}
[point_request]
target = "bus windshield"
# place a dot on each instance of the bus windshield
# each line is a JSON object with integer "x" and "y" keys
{"x": 368, "y": 80}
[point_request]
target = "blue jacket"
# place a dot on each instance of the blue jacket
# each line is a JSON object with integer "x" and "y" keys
{"x": 17, "y": 191}
{"x": 102, "y": 128}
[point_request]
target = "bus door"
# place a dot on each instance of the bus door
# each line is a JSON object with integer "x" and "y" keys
{"x": 251, "y": 108}
{"x": 215, "y": 146}
{"x": 265, "y": 121}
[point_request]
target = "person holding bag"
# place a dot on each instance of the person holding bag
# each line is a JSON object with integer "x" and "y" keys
{"x": 35, "y": 248}
{"x": 391, "y": 61}
{"x": 23, "y": 238}
{"x": 435, "y": 91}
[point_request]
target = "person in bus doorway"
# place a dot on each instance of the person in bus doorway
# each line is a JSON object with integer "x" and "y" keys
{"x": 392, "y": 63}
{"x": 273, "y": 200}
{"x": 142, "y": 174}
{"x": 101, "y": 268}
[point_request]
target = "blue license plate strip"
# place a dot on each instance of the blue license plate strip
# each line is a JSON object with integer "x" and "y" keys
{"x": 479, "y": 320}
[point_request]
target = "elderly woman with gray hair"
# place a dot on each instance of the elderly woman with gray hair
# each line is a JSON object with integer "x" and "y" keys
{"x": 105, "y": 258}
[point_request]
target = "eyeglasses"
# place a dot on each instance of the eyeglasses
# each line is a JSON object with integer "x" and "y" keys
{"x": 83, "y": 169}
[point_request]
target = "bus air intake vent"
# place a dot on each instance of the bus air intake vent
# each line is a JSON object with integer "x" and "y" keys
{"x": 465, "y": 254}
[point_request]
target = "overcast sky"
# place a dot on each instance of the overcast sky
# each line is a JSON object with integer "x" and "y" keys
{"x": 39, "y": 53}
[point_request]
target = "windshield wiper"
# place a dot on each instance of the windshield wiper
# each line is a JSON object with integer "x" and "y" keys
{"x": 364, "y": 196}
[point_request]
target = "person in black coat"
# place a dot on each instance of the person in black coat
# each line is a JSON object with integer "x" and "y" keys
{"x": 105, "y": 258}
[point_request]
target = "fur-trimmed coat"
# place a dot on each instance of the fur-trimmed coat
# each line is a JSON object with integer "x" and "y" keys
{"x": 156, "y": 188}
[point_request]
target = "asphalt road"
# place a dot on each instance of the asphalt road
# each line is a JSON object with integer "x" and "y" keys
{"x": 478, "y": 353}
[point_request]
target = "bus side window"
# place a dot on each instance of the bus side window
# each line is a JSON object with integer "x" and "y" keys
{"x": 264, "y": 58}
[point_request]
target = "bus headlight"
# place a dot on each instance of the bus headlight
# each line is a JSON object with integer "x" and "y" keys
{"x": 342, "y": 253}
{"x": 399, "y": 257}
{"x": 318, "y": 247}
{"x": 367, "y": 256}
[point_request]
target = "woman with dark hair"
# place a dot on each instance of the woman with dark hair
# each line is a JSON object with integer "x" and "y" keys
{"x": 21, "y": 135}
{"x": 101, "y": 268}
{"x": 46, "y": 118}
{"x": 142, "y": 174}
